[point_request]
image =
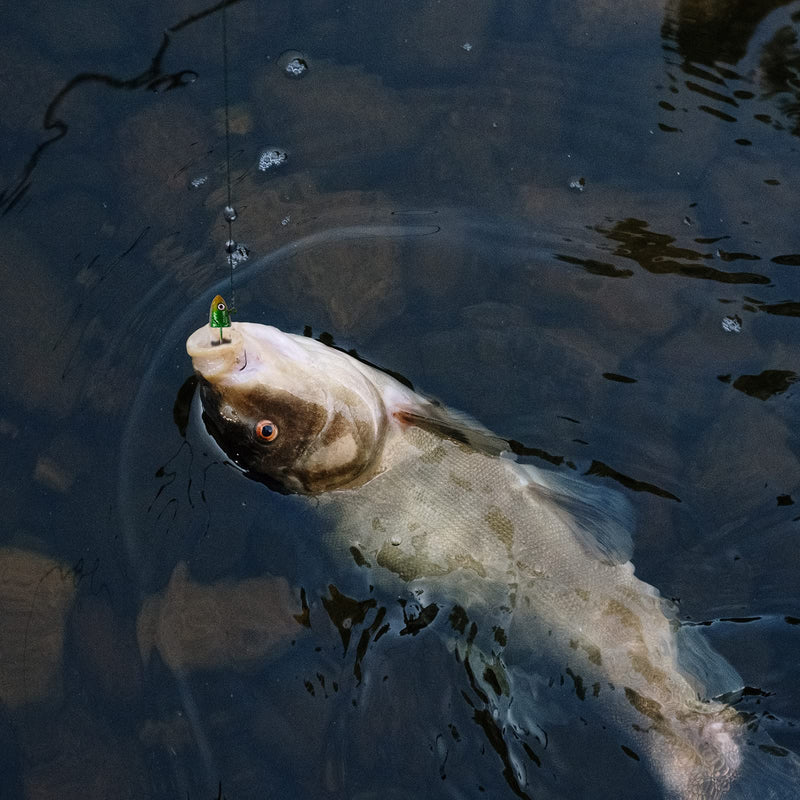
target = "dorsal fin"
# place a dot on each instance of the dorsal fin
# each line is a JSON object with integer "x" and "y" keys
{"x": 708, "y": 672}
{"x": 601, "y": 518}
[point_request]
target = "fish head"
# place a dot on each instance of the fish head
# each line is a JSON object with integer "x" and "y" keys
{"x": 290, "y": 411}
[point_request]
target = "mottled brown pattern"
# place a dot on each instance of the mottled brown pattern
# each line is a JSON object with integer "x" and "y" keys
{"x": 626, "y": 617}
{"x": 501, "y": 526}
{"x": 644, "y": 666}
{"x": 592, "y": 652}
{"x": 462, "y": 483}
{"x": 644, "y": 705}
{"x": 407, "y": 565}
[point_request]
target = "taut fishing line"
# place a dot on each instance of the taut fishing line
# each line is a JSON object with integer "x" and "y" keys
{"x": 229, "y": 212}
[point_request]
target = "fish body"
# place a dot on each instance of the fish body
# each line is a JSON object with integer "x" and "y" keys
{"x": 427, "y": 498}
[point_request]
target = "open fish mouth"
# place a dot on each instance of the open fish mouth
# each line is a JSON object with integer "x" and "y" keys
{"x": 214, "y": 359}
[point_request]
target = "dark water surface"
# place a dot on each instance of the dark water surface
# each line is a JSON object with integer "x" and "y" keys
{"x": 575, "y": 221}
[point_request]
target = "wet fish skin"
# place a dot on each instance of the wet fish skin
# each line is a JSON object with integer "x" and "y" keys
{"x": 423, "y": 498}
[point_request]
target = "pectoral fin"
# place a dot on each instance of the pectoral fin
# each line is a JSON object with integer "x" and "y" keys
{"x": 454, "y": 425}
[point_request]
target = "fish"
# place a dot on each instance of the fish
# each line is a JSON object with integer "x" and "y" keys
{"x": 429, "y": 498}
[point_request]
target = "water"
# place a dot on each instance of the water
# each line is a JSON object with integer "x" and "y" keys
{"x": 426, "y": 220}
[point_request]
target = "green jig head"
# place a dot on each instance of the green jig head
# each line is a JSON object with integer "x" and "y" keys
{"x": 220, "y": 315}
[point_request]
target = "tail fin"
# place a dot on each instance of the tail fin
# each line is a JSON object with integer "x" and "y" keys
{"x": 731, "y": 761}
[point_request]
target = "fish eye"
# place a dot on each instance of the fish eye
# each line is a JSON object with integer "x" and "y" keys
{"x": 221, "y": 306}
{"x": 267, "y": 430}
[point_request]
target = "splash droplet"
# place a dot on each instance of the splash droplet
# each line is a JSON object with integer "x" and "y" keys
{"x": 196, "y": 183}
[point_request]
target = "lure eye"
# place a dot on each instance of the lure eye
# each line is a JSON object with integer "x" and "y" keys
{"x": 220, "y": 306}
{"x": 267, "y": 430}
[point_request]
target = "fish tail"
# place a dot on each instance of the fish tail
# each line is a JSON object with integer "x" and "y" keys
{"x": 702, "y": 761}
{"x": 724, "y": 760}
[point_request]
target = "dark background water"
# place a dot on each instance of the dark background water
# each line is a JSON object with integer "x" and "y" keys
{"x": 575, "y": 221}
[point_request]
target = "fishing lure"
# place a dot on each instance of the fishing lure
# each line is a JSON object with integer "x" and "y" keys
{"x": 220, "y": 315}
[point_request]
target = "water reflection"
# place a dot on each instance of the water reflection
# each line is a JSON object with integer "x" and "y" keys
{"x": 767, "y": 384}
{"x": 656, "y": 253}
{"x": 734, "y": 53}
{"x": 720, "y": 31}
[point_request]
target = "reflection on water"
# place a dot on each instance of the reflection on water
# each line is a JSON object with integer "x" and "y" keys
{"x": 717, "y": 34}
{"x": 167, "y": 625}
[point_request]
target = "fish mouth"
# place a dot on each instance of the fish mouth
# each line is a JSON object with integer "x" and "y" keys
{"x": 214, "y": 358}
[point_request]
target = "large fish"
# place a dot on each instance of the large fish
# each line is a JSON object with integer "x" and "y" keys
{"x": 425, "y": 496}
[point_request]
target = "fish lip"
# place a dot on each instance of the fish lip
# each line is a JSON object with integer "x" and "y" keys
{"x": 212, "y": 359}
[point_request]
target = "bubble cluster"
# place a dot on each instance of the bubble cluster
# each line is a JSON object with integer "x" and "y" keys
{"x": 242, "y": 253}
{"x": 577, "y": 183}
{"x": 272, "y": 157}
{"x": 237, "y": 253}
{"x": 732, "y": 324}
{"x": 294, "y": 64}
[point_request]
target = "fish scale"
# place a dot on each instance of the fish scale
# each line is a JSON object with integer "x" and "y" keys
{"x": 609, "y": 624}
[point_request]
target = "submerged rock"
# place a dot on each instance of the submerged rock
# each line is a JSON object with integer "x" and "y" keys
{"x": 36, "y": 594}
{"x": 228, "y": 624}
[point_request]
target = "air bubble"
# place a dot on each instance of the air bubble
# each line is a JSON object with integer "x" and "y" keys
{"x": 230, "y": 246}
{"x": 396, "y": 541}
{"x": 272, "y": 157}
{"x": 229, "y": 212}
{"x": 294, "y": 64}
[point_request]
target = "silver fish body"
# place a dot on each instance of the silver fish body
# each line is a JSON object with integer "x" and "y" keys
{"x": 427, "y": 499}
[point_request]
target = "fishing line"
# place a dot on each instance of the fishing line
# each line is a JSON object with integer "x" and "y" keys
{"x": 229, "y": 211}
